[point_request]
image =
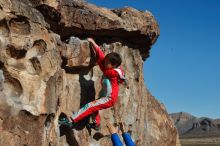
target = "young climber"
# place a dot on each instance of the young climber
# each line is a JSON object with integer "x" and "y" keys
{"x": 115, "y": 138}
{"x": 112, "y": 76}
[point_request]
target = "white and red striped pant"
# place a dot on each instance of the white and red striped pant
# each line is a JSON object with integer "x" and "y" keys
{"x": 93, "y": 108}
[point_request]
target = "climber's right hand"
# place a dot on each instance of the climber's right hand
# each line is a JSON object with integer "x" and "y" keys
{"x": 90, "y": 40}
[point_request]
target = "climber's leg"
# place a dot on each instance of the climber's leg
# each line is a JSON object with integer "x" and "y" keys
{"x": 128, "y": 140}
{"x": 95, "y": 121}
{"x": 91, "y": 108}
{"x": 114, "y": 136}
{"x": 96, "y": 118}
{"x": 116, "y": 140}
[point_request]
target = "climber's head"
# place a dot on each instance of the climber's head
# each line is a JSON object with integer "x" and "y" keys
{"x": 112, "y": 60}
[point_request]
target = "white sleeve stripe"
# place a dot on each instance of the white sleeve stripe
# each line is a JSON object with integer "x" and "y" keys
{"x": 121, "y": 75}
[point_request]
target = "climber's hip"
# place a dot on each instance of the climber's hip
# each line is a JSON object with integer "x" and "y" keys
{"x": 92, "y": 107}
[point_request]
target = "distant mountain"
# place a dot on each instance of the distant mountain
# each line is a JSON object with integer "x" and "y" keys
{"x": 191, "y": 126}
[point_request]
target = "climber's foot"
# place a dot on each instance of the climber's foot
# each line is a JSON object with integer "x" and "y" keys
{"x": 65, "y": 121}
{"x": 93, "y": 126}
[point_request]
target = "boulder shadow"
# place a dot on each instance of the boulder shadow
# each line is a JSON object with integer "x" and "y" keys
{"x": 87, "y": 95}
{"x": 68, "y": 132}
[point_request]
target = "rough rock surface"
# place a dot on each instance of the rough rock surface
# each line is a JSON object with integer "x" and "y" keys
{"x": 47, "y": 70}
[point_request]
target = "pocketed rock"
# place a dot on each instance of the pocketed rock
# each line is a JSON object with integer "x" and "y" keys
{"x": 48, "y": 70}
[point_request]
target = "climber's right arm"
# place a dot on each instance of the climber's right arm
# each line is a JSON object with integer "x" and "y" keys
{"x": 99, "y": 53}
{"x": 92, "y": 42}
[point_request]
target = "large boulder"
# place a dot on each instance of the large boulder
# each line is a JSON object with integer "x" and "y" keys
{"x": 47, "y": 71}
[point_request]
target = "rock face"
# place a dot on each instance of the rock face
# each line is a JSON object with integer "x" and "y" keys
{"x": 47, "y": 70}
{"x": 191, "y": 127}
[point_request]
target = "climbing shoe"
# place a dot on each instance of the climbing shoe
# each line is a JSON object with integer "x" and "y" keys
{"x": 93, "y": 126}
{"x": 66, "y": 122}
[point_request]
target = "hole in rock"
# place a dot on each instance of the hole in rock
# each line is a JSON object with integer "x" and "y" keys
{"x": 36, "y": 65}
{"x": 1, "y": 64}
{"x": 20, "y": 25}
{"x": 12, "y": 86}
{"x": 4, "y": 30}
{"x": 42, "y": 46}
{"x": 14, "y": 53}
{"x": 49, "y": 119}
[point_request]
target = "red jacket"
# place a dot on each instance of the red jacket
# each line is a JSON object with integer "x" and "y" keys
{"x": 114, "y": 75}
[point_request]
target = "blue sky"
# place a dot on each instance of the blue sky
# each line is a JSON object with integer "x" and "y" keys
{"x": 183, "y": 70}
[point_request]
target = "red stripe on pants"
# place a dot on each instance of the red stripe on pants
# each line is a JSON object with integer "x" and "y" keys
{"x": 92, "y": 108}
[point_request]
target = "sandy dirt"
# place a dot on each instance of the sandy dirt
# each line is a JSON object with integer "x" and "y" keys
{"x": 213, "y": 141}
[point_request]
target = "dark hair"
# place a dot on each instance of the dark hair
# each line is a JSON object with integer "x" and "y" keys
{"x": 114, "y": 58}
